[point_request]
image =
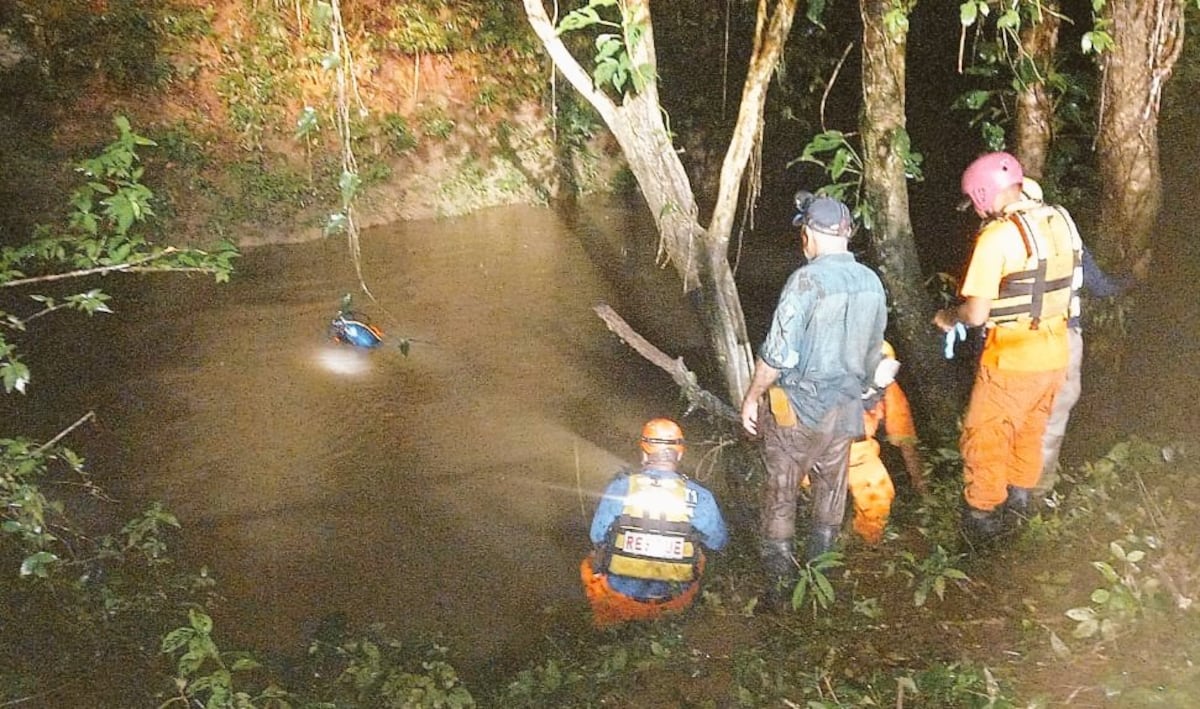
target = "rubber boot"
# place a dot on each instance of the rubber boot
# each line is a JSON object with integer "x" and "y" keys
{"x": 820, "y": 539}
{"x": 779, "y": 560}
{"x": 983, "y": 525}
{"x": 1020, "y": 502}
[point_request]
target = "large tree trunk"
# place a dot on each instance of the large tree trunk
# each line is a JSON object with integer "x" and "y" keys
{"x": 886, "y": 190}
{"x": 1035, "y": 107}
{"x": 1148, "y": 36}
{"x": 699, "y": 255}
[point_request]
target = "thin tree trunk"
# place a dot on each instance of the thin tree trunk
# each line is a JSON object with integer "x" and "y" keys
{"x": 699, "y": 255}
{"x": 886, "y": 191}
{"x": 1148, "y": 37}
{"x": 1035, "y": 107}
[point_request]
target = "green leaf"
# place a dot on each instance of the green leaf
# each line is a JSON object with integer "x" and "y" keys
{"x": 307, "y": 124}
{"x": 36, "y": 564}
{"x": 1061, "y": 651}
{"x": 1086, "y": 628}
{"x": 604, "y": 72}
{"x": 1009, "y": 20}
{"x": 968, "y": 13}
{"x": 813, "y": 12}
{"x": 245, "y": 663}
{"x": 824, "y": 588}
{"x": 176, "y": 639}
{"x": 1108, "y": 572}
{"x": 1100, "y": 596}
{"x": 200, "y": 621}
{"x": 322, "y": 15}
{"x": 337, "y": 223}
{"x": 1116, "y": 550}
{"x": 348, "y": 184}
{"x": 1081, "y": 613}
{"x": 15, "y": 376}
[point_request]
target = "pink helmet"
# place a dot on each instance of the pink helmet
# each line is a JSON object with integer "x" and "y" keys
{"x": 988, "y": 176}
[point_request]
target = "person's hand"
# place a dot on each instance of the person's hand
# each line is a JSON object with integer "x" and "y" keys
{"x": 750, "y": 415}
{"x": 946, "y": 319}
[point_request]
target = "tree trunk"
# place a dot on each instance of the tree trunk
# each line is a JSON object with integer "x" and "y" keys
{"x": 1035, "y": 108}
{"x": 699, "y": 255}
{"x": 886, "y": 191}
{"x": 1148, "y": 37}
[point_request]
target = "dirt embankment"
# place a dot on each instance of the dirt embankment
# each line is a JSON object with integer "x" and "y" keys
{"x": 445, "y": 118}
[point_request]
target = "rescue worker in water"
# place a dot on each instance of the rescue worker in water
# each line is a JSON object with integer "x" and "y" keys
{"x": 647, "y": 532}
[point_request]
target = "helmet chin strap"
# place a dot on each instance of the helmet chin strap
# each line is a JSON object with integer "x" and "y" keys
{"x": 665, "y": 455}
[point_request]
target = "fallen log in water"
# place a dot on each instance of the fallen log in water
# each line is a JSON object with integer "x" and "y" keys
{"x": 697, "y": 396}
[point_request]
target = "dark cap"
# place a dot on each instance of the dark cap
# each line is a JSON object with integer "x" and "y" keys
{"x": 823, "y": 214}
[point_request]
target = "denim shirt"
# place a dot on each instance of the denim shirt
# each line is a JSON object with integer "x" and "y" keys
{"x": 826, "y": 338}
{"x": 1099, "y": 284}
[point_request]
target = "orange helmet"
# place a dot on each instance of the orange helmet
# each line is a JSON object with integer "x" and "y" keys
{"x": 659, "y": 435}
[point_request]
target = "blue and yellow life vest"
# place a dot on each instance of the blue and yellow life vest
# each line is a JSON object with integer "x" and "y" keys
{"x": 653, "y": 538}
{"x": 1053, "y": 272}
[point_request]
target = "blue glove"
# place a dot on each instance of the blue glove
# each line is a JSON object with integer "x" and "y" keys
{"x": 958, "y": 332}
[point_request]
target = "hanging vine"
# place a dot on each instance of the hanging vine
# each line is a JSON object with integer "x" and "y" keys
{"x": 327, "y": 18}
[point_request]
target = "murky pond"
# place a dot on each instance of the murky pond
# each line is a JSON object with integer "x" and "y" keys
{"x": 448, "y": 490}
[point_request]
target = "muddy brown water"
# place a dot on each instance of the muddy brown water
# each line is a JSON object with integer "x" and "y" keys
{"x": 447, "y": 491}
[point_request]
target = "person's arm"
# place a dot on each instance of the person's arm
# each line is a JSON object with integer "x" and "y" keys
{"x": 972, "y": 312}
{"x": 981, "y": 284}
{"x": 764, "y": 376}
{"x": 708, "y": 522}
{"x": 611, "y": 504}
{"x": 1101, "y": 285}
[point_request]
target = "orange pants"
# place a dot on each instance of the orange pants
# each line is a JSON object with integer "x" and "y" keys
{"x": 1002, "y": 432}
{"x": 610, "y": 608}
{"x": 871, "y": 488}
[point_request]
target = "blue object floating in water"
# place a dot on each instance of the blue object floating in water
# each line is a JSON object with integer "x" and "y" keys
{"x": 355, "y": 332}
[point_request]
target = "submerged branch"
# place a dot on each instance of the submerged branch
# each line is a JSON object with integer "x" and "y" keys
{"x": 697, "y": 396}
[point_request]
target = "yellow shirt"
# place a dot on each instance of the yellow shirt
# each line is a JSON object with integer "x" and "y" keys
{"x": 1000, "y": 251}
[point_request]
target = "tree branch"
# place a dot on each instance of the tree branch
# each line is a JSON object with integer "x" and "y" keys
{"x": 65, "y": 432}
{"x": 133, "y": 266}
{"x": 697, "y": 397}
{"x": 566, "y": 62}
{"x": 768, "y": 46}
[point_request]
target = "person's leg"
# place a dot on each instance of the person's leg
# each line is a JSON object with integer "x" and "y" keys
{"x": 611, "y": 608}
{"x": 872, "y": 491}
{"x": 1060, "y": 414}
{"x": 830, "y": 473}
{"x": 785, "y": 452}
{"x": 986, "y": 444}
{"x": 1032, "y": 398}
